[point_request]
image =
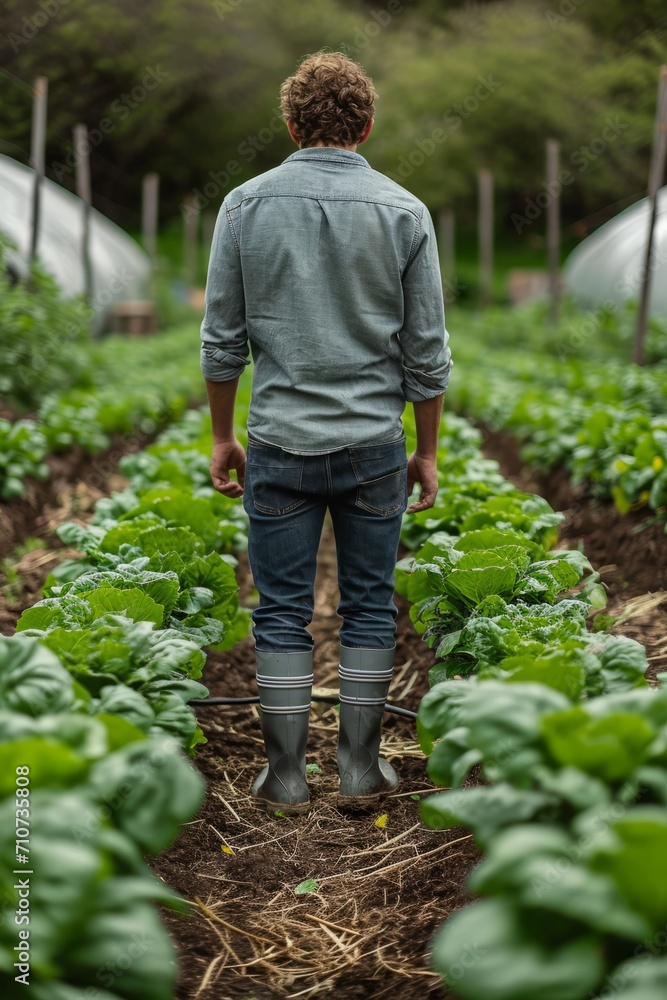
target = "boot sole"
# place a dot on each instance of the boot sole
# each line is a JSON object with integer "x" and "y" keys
{"x": 290, "y": 809}
{"x": 392, "y": 783}
{"x": 361, "y": 801}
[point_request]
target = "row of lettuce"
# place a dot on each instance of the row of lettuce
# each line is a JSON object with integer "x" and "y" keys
{"x": 128, "y": 387}
{"x": 570, "y": 800}
{"x": 571, "y": 402}
{"x": 95, "y": 728}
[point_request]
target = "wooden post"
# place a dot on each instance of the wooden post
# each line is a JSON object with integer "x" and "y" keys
{"x": 553, "y": 227}
{"x": 190, "y": 233}
{"x": 208, "y": 221}
{"x": 655, "y": 178}
{"x": 82, "y": 151}
{"x": 485, "y": 230}
{"x": 446, "y": 242}
{"x": 149, "y": 217}
{"x": 37, "y": 153}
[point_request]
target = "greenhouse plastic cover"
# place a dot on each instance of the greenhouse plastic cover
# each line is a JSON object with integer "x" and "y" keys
{"x": 120, "y": 268}
{"x": 609, "y": 264}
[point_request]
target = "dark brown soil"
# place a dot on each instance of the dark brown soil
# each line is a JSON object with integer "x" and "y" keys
{"x": 6, "y": 412}
{"x": 366, "y": 930}
{"x": 76, "y": 477}
{"x": 77, "y": 482}
{"x": 24, "y": 587}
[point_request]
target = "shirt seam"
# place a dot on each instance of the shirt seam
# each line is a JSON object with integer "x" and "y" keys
{"x": 415, "y": 238}
{"x": 231, "y": 226}
{"x": 330, "y": 159}
{"x": 310, "y": 197}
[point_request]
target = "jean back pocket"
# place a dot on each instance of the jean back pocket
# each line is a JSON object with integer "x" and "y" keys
{"x": 275, "y": 479}
{"x": 381, "y": 472}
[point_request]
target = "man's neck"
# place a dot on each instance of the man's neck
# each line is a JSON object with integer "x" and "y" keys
{"x": 330, "y": 145}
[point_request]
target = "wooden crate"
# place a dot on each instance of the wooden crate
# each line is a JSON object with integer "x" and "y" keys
{"x": 136, "y": 317}
{"x": 525, "y": 285}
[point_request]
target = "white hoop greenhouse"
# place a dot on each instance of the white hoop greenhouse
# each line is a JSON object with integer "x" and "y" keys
{"x": 609, "y": 264}
{"x": 120, "y": 268}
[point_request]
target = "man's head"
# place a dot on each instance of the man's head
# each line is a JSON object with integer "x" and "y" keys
{"x": 329, "y": 101}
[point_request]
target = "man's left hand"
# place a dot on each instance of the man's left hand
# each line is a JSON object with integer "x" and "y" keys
{"x": 228, "y": 455}
{"x": 422, "y": 469}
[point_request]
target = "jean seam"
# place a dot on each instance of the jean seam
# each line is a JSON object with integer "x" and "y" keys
{"x": 364, "y": 482}
{"x": 381, "y": 512}
{"x": 262, "y": 444}
{"x": 376, "y": 510}
{"x": 281, "y": 510}
{"x": 362, "y": 447}
{"x": 281, "y": 468}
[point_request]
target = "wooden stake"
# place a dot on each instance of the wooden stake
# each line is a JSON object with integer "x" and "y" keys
{"x": 485, "y": 182}
{"x": 208, "y": 220}
{"x": 190, "y": 232}
{"x": 446, "y": 241}
{"x": 655, "y": 179}
{"x": 553, "y": 227}
{"x": 149, "y": 219}
{"x": 37, "y": 153}
{"x": 82, "y": 151}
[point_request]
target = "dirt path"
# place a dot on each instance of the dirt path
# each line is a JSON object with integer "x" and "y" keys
{"x": 78, "y": 480}
{"x": 381, "y": 892}
{"x": 75, "y": 472}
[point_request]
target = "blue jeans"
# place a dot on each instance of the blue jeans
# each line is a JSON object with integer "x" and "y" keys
{"x": 286, "y": 497}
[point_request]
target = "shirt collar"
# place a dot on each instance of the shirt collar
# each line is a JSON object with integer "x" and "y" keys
{"x": 329, "y": 153}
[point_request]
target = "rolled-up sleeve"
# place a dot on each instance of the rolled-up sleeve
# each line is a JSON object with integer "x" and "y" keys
{"x": 427, "y": 359}
{"x": 224, "y": 347}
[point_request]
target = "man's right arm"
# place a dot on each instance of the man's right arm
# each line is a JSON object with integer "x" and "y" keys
{"x": 427, "y": 359}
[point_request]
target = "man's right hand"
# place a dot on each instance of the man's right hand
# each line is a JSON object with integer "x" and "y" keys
{"x": 228, "y": 455}
{"x": 423, "y": 470}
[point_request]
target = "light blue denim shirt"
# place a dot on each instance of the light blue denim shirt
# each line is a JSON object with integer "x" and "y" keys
{"x": 328, "y": 272}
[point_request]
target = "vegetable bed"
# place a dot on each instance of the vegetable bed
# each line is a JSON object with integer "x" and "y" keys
{"x": 122, "y": 630}
{"x": 94, "y": 721}
{"x": 572, "y": 398}
{"x": 131, "y": 387}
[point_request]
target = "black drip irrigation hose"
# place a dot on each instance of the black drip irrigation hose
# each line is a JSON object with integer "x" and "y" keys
{"x": 328, "y": 699}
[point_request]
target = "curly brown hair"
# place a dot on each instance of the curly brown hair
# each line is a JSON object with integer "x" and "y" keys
{"x": 330, "y": 99}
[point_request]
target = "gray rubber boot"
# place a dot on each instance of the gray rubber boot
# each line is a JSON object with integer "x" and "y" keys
{"x": 285, "y": 682}
{"x": 365, "y": 676}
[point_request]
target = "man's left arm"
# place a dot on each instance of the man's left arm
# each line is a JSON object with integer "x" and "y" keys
{"x": 427, "y": 359}
{"x": 424, "y": 340}
{"x": 224, "y": 349}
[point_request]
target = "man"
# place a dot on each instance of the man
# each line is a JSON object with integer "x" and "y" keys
{"x": 328, "y": 272}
